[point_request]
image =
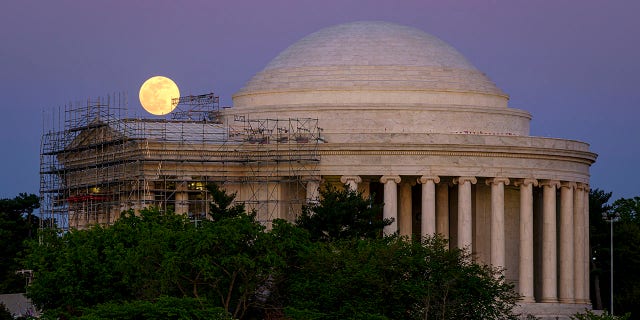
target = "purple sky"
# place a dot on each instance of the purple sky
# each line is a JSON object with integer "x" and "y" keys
{"x": 575, "y": 65}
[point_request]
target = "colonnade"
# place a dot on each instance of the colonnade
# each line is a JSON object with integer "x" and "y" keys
{"x": 564, "y": 268}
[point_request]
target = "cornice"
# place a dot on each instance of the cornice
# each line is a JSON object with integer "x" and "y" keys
{"x": 562, "y": 155}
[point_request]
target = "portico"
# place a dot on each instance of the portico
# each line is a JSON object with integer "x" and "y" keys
{"x": 571, "y": 214}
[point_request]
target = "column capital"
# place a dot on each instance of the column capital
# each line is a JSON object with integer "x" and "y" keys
{"x": 583, "y": 186}
{"x": 385, "y": 179}
{"x": 550, "y": 183}
{"x": 460, "y": 180}
{"x": 182, "y": 186}
{"x": 525, "y": 181}
{"x": 345, "y": 179}
{"x": 424, "y": 179}
{"x": 568, "y": 184}
{"x": 496, "y": 180}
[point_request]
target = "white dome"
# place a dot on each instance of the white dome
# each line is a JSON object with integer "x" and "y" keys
{"x": 369, "y": 43}
{"x": 379, "y": 77}
{"x": 370, "y": 56}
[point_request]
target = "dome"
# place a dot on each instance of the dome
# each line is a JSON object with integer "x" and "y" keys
{"x": 369, "y": 56}
{"x": 379, "y": 77}
{"x": 370, "y": 44}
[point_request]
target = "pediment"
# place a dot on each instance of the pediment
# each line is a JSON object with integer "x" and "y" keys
{"x": 97, "y": 132}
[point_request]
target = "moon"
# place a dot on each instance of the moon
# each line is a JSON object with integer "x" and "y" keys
{"x": 156, "y": 94}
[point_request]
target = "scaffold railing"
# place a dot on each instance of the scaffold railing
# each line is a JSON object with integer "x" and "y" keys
{"x": 96, "y": 162}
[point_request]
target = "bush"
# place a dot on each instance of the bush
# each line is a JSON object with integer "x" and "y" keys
{"x": 589, "y": 315}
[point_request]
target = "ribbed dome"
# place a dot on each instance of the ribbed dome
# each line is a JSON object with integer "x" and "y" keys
{"x": 364, "y": 56}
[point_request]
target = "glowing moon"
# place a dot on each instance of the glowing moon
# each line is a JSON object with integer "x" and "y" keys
{"x": 156, "y": 94}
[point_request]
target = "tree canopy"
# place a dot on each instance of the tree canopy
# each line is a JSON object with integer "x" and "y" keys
{"x": 142, "y": 258}
{"x": 393, "y": 278}
{"x": 17, "y": 224}
{"x": 342, "y": 214}
{"x": 626, "y": 251}
{"x": 157, "y": 264}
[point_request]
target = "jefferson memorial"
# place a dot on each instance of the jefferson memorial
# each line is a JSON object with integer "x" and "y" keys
{"x": 380, "y": 108}
{"x": 405, "y": 116}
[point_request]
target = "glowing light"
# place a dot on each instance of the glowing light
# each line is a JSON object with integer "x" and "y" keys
{"x": 156, "y": 94}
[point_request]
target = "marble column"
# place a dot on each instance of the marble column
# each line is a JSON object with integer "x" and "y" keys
{"x": 497, "y": 221}
{"x": 147, "y": 198}
{"x": 549, "y": 269}
{"x": 351, "y": 182}
{"x": 182, "y": 198}
{"x": 428, "y": 205}
{"x": 390, "y": 209}
{"x": 465, "y": 218}
{"x": 313, "y": 189}
{"x": 578, "y": 238}
{"x": 525, "y": 272}
{"x": 442, "y": 209}
{"x": 587, "y": 248}
{"x": 405, "y": 214}
{"x": 565, "y": 289}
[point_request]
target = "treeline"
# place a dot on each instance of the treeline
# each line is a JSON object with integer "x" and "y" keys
{"x": 626, "y": 252}
{"x": 17, "y": 225}
{"x": 332, "y": 263}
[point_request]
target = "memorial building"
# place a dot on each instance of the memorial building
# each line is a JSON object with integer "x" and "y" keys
{"x": 381, "y": 108}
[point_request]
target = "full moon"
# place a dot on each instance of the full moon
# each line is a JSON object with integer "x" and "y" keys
{"x": 156, "y": 94}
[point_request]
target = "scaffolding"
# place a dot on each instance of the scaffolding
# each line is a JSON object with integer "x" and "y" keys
{"x": 97, "y": 162}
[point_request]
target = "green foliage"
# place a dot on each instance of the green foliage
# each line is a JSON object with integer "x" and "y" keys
{"x": 626, "y": 253}
{"x": 348, "y": 271}
{"x": 222, "y": 206}
{"x": 17, "y": 224}
{"x": 589, "y": 315}
{"x": 5, "y": 314}
{"x": 162, "y": 308}
{"x": 144, "y": 257}
{"x": 342, "y": 214}
{"x": 628, "y": 209}
{"x": 154, "y": 265}
{"x": 397, "y": 279}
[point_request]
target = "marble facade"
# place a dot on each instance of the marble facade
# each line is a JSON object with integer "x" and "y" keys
{"x": 405, "y": 114}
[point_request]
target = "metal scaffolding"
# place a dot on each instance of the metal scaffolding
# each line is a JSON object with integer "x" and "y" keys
{"x": 96, "y": 162}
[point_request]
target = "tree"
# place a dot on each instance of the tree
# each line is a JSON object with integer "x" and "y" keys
{"x": 626, "y": 253}
{"x": 5, "y": 314}
{"x": 222, "y": 206}
{"x": 162, "y": 308}
{"x": 346, "y": 269}
{"x": 144, "y": 257}
{"x": 394, "y": 278}
{"x": 17, "y": 224}
{"x": 342, "y": 214}
{"x": 599, "y": 242}
{"x": 157, "y": 264}
{"x": 589, "y": 315}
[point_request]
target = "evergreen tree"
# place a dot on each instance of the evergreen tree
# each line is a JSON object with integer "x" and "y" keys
{"x": 342, "y": 214}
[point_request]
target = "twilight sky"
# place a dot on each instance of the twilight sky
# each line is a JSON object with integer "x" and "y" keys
{"x": 574, "y": 65}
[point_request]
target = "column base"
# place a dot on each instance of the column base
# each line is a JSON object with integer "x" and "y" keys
{"x": 567, "y": 300}
{"x": 549, "y": 300}
{"x": 527, "y": 300}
